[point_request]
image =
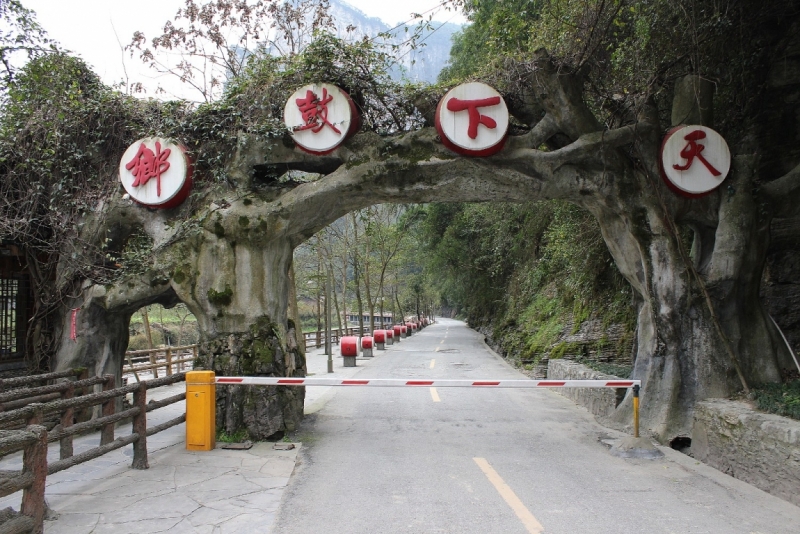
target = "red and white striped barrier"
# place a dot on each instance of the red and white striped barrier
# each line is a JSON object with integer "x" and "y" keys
{"x": 403, "y": 382}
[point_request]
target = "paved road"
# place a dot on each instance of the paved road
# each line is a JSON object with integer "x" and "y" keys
{"x": 478, "y": 461}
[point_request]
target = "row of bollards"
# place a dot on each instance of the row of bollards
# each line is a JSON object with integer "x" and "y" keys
{"x": 352, "y": 346}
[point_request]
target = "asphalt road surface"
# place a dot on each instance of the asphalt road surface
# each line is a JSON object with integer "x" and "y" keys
{"x": 471, "y": 460}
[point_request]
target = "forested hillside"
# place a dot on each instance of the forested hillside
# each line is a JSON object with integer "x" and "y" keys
{"x": 536, "y": 278}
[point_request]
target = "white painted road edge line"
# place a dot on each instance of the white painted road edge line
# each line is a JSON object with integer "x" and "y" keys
{"x": 406, "y": 382}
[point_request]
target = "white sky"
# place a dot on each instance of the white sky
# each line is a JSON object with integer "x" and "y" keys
{"x": 97, "y": 29}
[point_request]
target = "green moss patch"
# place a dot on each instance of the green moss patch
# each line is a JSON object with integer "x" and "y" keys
{"x": 220, "y": 298}
{"x": 179, "y": 276}
{"x": 219, "y": 230}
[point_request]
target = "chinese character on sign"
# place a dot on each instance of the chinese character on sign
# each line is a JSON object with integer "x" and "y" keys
{"x": 475, "y": 117}
{"x": 320, "y": 117}
{"x": 147, "y": 164}
{"x": 315, "y": 112}
{"x": 692, "y": 150}
{"x": 165, "y": 160}
{"x": 472, "y": 120}
{"x": 694, "y": 160}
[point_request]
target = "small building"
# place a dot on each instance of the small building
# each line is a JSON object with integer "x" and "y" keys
{"x": 15, "y": 307}
{"x": 385, "y": 319}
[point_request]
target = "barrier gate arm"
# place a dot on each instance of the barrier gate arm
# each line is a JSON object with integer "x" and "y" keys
{"x": 410, "y": 382}
{"x": 201, "y": 387}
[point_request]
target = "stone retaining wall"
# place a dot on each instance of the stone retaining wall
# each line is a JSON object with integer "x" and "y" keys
{"x": 599, "y": 401}
{"x": 760, "y": 449}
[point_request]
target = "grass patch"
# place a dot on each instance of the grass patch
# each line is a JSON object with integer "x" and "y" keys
{"x": 542, "y": 324}
{"x": 160, "y": 314}
{"x": 237, "y": 437}
{"x": 780, "y": 399}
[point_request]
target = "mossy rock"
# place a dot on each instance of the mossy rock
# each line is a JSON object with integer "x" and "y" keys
{"x": 220, "y": 298}
{"x": 219, "y": 230}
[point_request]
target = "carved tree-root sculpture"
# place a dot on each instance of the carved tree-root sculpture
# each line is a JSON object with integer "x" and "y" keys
{"x": 702, "y": 331}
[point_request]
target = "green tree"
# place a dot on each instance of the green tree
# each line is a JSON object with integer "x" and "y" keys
{"x": 497, "y": 30}
{"x": 21, "y": 38}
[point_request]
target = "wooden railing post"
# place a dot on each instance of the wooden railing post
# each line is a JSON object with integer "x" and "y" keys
{"x": 140, "y": 428}
{"x": 153, "y": 363}
{"x": 67, "y": 416}
{"x": 34, "y": 460}
{"x": 107, "y": 433}
{"x": 169, "y": 361}
{"x": 37, "y": 414}
{"x": 130, "y": 364}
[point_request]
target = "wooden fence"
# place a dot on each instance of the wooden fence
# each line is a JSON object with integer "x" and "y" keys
{"x": 33, "y": 439}
{"x": 175, "y": 359}
{"x": 171, "y": 359}
{"x": 317, "y": 339}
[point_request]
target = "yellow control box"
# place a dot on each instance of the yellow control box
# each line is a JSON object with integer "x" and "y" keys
{"x": 201, "y": 403}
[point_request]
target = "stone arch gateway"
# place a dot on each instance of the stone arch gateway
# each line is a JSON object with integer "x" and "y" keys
{"x": 702, "y": 329}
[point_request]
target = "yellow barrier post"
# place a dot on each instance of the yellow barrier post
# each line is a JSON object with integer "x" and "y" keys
{"x": 201, "y": 403}
{"x": 635, "y": 411}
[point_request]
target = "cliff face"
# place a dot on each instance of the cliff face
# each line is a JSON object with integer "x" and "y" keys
{"x": 779, "y": 137}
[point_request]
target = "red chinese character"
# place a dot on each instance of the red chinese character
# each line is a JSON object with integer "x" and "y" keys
{"x": 315, "y": 112}
{"x": 475, "y": 118}
{"x": 695, "y": 150}
{"x": 146, "y": 164}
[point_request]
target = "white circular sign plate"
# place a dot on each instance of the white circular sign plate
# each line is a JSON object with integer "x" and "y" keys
{"x": 695, "y": 159}
{"x": 472, "y": 119}
{"x": 155, "y": 172}
{"x": 319, "y": 117}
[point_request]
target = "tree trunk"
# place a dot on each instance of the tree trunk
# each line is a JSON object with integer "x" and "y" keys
{"x": 344, "y": 290}
{"x": 357, "y": 278}
{"x": 681, "y": 357}
{"x": 335, "y": 297}
{"x": 319, "y": 293}
{"x": 368, "y": 289}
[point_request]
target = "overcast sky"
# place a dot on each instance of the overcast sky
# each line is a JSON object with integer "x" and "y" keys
{"x": 97, "y": 29}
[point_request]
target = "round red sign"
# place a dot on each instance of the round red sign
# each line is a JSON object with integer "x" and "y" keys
{"x": 156, "y": 172}
{"x": 694, "y": 160}
{"x": 320, "y": 117}
{"x": 472, "y": 120}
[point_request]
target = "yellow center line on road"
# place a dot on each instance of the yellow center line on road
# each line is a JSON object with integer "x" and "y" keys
{"x": 435, "y": 395}
{"x": 528, "y": 520}
{"x": 433, "y": 362}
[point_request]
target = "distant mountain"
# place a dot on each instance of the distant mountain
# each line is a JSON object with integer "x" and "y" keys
{"x": 422, "y": 64}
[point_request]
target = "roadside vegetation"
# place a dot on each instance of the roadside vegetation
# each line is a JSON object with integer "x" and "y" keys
{"x": 780, "y": 399}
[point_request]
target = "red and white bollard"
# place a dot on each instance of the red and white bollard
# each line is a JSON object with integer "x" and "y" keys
{"x": 349, "y": 348}
{"x": 390, "y": 337}
{"x": 379, "y": 336}
{"x": 403, "y": 331}
{"x": 366, "y": 346}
